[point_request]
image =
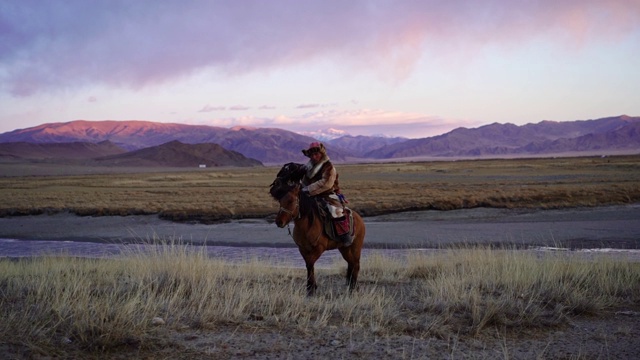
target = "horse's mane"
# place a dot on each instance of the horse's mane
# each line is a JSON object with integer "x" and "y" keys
{"x": 309, "y": 207}
{"x": 286, "y": 180}
{"x": 292, "y": 171}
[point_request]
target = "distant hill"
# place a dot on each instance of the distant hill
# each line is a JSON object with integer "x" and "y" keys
{"x": 277, "y": 146}
{"x": 625, "y": 137}
{"x": 359, "y": 146}
{"x": 177, "y": 154}
{"x": 546, "y": 137}
{"x": 73, "y": 150}
{"x": 263, "y": 144}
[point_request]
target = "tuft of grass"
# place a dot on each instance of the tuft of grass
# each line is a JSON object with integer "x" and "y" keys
{"x": 472, "y": 290}
{"x": 96, "y": 306}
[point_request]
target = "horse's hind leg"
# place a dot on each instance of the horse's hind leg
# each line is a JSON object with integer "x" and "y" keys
{"x": 353, "y": 268}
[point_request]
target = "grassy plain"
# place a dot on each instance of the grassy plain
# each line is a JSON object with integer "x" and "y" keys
{"x": 175, "y": 302}
{"x": 209, "y": 195}
{"x": 464, "y": 303}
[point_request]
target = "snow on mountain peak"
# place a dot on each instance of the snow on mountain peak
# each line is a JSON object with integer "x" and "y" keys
{"x": 325, "y": 134}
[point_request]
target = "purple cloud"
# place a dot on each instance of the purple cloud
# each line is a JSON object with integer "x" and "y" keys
{"x": 308, "y": 106}
{"x": 47, "y": 45}
{"x": 209, "y": 108}
{"x": 239, "y": 108}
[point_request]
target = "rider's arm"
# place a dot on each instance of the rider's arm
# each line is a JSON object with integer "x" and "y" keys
{"x": 324, "y": 184}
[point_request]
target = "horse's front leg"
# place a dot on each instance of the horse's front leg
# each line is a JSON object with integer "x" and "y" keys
{"x": 311, "y": 279}
{"x": 310, "y": 259}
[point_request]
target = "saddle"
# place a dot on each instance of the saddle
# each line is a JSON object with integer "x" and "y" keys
{"x": 341, "y": 229}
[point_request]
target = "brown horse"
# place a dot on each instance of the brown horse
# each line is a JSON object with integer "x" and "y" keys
{"x": 308, "y": 232}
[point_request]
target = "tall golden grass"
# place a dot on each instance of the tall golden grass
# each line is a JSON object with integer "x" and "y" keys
{"x": 62, "y": 306}
{"x": 216, "y": 194}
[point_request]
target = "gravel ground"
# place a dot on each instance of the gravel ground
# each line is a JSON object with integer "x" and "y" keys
{"x": 612, "y": 336}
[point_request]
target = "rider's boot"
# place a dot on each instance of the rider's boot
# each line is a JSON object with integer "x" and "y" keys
{"x": 343, "y": 233}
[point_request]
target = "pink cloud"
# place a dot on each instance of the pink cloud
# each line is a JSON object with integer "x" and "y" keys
{"x": 54, "y": 45}
{"x": 358, "y": 122}
{"x": 239, "y": 108}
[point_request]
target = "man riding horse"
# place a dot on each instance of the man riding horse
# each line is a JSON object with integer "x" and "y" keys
{"x": 309, "y": 196}
{"x": 320, "y": 180}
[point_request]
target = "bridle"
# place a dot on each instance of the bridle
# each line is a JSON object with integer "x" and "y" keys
{"x": 293, "y": 215}
{"x": 291, "y": 212}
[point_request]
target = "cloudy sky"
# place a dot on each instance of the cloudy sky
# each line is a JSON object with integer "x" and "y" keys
{"x": 398, "y": 68}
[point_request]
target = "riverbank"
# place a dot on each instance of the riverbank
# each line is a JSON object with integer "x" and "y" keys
{"x": 576, "y": 228}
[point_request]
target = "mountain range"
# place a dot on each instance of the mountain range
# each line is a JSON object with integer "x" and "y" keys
{"x": 546, "y": 137}
{"x": 124, "y": 142}
{"x": 106, "y": 153}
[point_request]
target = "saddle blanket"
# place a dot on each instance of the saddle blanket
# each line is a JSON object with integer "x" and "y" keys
{"x": 334, "y": 228}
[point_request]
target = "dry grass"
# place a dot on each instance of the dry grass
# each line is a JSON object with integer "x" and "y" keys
{"x": 61, "y": 306}
{"x": 209, "y": 195}
{"x": 78, "y": 307}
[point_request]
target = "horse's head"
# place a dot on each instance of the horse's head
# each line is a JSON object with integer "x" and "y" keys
{"x": 286, "y": 190}
{"x": 289, "y": 206}
{"x": 279, "y": 188}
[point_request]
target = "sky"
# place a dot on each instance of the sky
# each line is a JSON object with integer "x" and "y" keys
{"x": 362, "y": 67}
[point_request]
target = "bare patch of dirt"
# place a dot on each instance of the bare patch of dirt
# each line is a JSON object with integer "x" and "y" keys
{"x": 610, "y": 336}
